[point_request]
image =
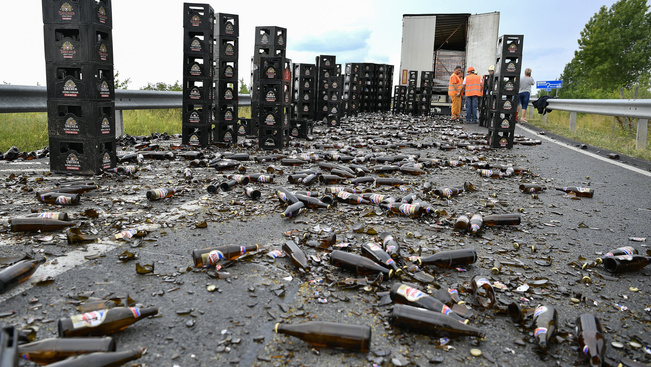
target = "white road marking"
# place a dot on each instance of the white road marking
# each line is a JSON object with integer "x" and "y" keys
{"x": 620, "y": 164}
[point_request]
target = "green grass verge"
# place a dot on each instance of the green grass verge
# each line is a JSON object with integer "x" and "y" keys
{"x": 604, "y": 132}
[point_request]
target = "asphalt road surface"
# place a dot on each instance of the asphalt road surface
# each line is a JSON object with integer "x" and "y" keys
{"x": 227, "y": 317}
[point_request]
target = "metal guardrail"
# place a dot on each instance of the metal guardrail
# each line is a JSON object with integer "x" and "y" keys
{"x": 631, "y": 108}
{"x": 19, "y": 98}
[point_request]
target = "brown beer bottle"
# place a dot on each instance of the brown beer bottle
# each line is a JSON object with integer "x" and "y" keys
{"x": 585, "y": 192}
{"x": 377, "y": 254}
{"x": 408, "y": 210}
{"x": 461, "y": 223}
{"x": 296, "y": 255}
{"x": 347, "y": 197}
{"x": 213, "y": 255}
{"x": 391, "y": 246}
{"x": 545, "y": 320}
{"x": 329, "y": 334}
{"x": 52, "y": 350}
{"x": 48, "y": 215}
{"x": 626, "y": 250}
{"x": 592, "y": 344}
{"x": 518, "y": 314}
{"x": 402, "y": 293}
{"x": 430, "y": 322}
{"x": 74, "y": 236}
{"x": 381, "y": 181}
{"x": 102, "y": 322}
{"x": 293, "y": 210}
{"x": 252, "y": 193}
{"x": 37, "y": 224}
{"x": 475, "y": 224}
{"x": 162, "y": 193}
{"x": 286, "y": 196}
{"x": 311, "y": 202}
{"x": 73, "y": 189}
{"x": 18, "y": 273}
{"x": 100, "y": 359}
{"x": 331, "y": 179}
{"x": 623, "y": 263}
{"x": 450, "y": 259}
{"x": 484, "y": 292}
{"x": 502, "y": 219}
{"x": 358, "y": 264}
{"x": 531, "y": 188}
{"x": 59, "y": 198}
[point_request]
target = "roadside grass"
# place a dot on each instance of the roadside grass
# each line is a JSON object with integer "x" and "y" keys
{"x": 604, "y": 132}
{"x": 28, "y": 131}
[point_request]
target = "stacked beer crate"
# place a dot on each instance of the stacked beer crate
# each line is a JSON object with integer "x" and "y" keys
{"x": 80, "y": 85}
{"x": 335, "y": 97}
{"x": 226, "y": 60}
{"x": 199, "y": 79}
{"x": 399, "y": 99}
{"x": 425, "y": 95}
{"x": 384, "y": 83}
{"x": 369, "y": 88}
{"x": 487, "y": 91}
{"x": 352, "y": 89}
{"x": 411, "y": 106}
{"x": 268, "y": 41}
{"x": 304, "y": 100}
{"x": 503, "y": 103}
{"x": 326, "y": 68}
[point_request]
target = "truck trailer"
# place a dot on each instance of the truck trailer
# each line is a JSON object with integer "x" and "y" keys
{"x": 439, "y": 42}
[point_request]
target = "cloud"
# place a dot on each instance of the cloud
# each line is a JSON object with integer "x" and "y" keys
{"x": 333, "y": 41}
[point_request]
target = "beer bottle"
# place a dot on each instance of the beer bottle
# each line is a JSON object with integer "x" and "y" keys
{"x": 336, "y": 189}
{"x": 228, "y": 185}
{"x": 102, "y": 322}
{"x": 592, "y": 343}
{"x": 331, "y": 179}
{"x": 252, "y": 193}
{"x": 212, "y": 255}
{"x": 241, "y": 179}
{"x": 384, "y": 169}
{"x": 131, "y": 157}
{"x": 158, "y": 155}
{"x": 293, "y": 210}
{"x": 292, "y": 162}
{"x": 502, "y": 219}
{"x": 377, "y": 198}
{"x": 286, "y": 196}
{"x": 491, "y": 173}
{"x": 476, "y": 223}
{"x": 430, "y": 322}
{"x": 409, "y": 210}
{"x": 448, "y": 192}
{"x": 450, "y": 259}
{"x": 262, "y": 178}
{"x": 37, "y": 224}
{"x": 59, "y": 198}
{"x": 377, "y": 254}
{"x": 626, "y": 250}
{"x": 48, "y": 215}
{"x": 237, "y": 156}
{"x": 126, "y": 170}
{"x": 18, "y": 272}
{"x": 213, "y": 188}
{"x": 329, "y": 334}
{"x": 362, "y": 180}
{"x": 448, "y": 296}
{"x": 518, "y": 314}
{"x": 296, "y": 254}
{"x": 75, "y": 236}
{"x": 358, "y": 264}
{"x": 343, "y": 173}
{"x": 100, "y": 359}
{"x": 347, "y": 197}
{"x": 623, "y": 263}
{"x": 402, "y": 293}
{"x": 484, "y": 292}
{"x": 76, "y": 189}
{"x": 545, "y": 320}
{"x": 311, "y": 178}
{"x": 221, "y": 165}
{"x": 52, "y": 350}
{"x": 381, "y": 181}
{"x": 391, "y": 246}
{"x": 162, "y": 193}
{"x": 311, "y": 202}
{"x": 531, "y": 188}
{"x": 461, "y": 223}
{"x": 585, "y": 192}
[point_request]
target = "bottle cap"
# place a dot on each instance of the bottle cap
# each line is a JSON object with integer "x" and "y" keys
{"x": 276, "y": 327}
{"x": 599, "y": 260}
{"x": 495, "y": 270}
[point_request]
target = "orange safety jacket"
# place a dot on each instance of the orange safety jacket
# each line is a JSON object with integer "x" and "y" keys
{"x": 473, "y": 85}
{"x": 454, "y": 88}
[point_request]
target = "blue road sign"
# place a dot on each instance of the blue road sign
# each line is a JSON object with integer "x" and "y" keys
{"x": 548, "y": 85}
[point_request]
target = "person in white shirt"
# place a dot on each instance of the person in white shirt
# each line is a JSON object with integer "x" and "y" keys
{"x": 526, "y": 83}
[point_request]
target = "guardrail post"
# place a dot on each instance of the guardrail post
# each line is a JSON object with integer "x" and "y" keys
{"x": 642, "y": 131}
{"x": 544, "y": 119}
{"x": 572, "y": 121}
{"x": 119, "y": 124}
{"x": 531, "y": 113}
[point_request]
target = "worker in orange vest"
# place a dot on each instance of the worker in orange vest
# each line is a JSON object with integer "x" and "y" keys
{"x": 472, "y": 86}
{"x": 454, "y": 91}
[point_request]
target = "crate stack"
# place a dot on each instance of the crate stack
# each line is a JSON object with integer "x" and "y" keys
{"x": 335, "y": 97}
{"x": 274, "y": 101}
{"x": 352, "y": 89}
{"x": 304, "y": 100}
{"x": 487, "y": 91}
{"x": 226, "y": 61}
{"x": 399, "y": 99}
{"x": 411, "y": 106}
{"x": 425, "y": 95}
{"x": 80, "y": 85}
{"x": 503, "y": 103}
{"x": 326, "y": 67}
{"x": 268, "y": 41}
{"x": 369, "y": 88}
{"x": 199, "y": 79}
{"x": 384, "y": 84}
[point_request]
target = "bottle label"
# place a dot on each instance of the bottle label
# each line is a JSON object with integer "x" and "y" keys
{"x": 159, "y": 193}
{"x": 446, "y": 310}
{"x": 540, "y": 310}
{"x": 63, "y": 200}
{"x": 105, "y": 126}
{"x": 624, "y": 257}
{"x": 586, "y": 350}
{"x": 103, "y": 52}
{"x": 66, "y": 11}
{"x": 481, "y": 282}
{"x": 538, "y": 331}
{"x": 582, "y": 189}
{"x": 627, "y": 251}
{"x": 70, "y": 89}
{"x": 71, "y": 126}
{"x": 374, "y": 247}
{"x": 411, "y": 294}
{"x": 213, "y": 257}
{"x": 68, "y": 50}
{"x": 88, "y": 319}
{"x": 408, "y": 209}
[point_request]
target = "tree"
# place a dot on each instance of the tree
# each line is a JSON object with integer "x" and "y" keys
{"x": 163, "y": 86}
{"x": 614, "y": 52}
{"x": 120, "y": 84}
{"x": 244, "y": 89}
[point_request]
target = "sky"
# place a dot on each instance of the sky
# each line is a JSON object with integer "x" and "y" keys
{"x": 148, "y": 35}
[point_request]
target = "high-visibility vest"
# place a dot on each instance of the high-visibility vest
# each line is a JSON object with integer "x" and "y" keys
{"x": 473, "y": 85}
{"x": 455, "y": 85}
